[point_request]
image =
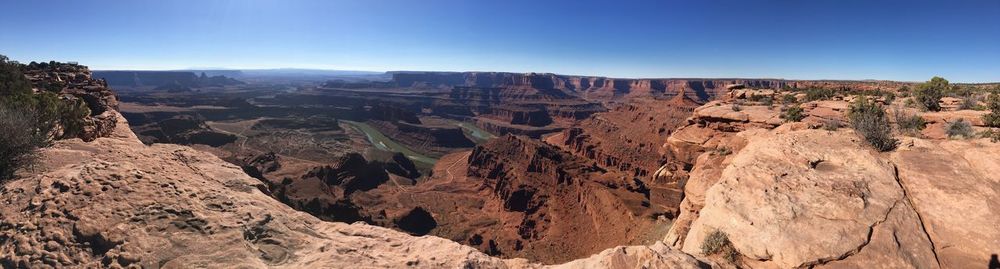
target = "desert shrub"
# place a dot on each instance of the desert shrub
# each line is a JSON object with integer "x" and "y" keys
{"x": 20, "y": 137}
{"x": 48, "y": 109}
{"x": 12, "y": 80}
{"x": 887, "y": 96}
{"x": 909, "y": 124}
{"x": 793, "y": 114}
{"x": 869, "y": 119}
{"x": 991, "y": 134}
{"x": 969, "y": 102}
{"x": 723, "y": 151}
{"x": 717, "y": 242}
{"x": 756, "y": 97}
{"x": 72, "y": 115}
{"x": 928, "y": 94}
{"x": 992, "y": 119}
{"x": 960, "y": 91}
{"x": 789, "y": 99}
{"x": 813, "y": 94}
{"x": 959, "y": 128}
{"x": 831, "y": 124}
{"x": 903, "y": 91}
{"x": 737, "y": 107}
{"x": 767, "y": 101}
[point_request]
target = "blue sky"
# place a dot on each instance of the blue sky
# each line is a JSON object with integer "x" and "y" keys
{"x": 816, "y": 39}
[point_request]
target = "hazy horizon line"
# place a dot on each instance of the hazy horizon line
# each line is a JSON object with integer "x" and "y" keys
{"x": 524, "y": 72}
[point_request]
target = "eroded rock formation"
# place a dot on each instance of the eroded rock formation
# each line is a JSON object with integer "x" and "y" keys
{"x": 72, "y": 82}
{"x": 115, "y": 202}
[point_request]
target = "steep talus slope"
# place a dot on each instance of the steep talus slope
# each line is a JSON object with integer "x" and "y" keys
{"x": 115, "y": 202}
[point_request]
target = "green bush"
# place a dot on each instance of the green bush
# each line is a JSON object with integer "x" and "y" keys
{"x": 887, "y": 96}
{"x": 909, "y": 124}
{"x": 813, "y": 94}
{"x": 717, "y": 242}
{"x": 20, "y": 137}
{"x": 960, "y": 91}
{"x": 12, "y": 81}
{"x": 970, "y": 102}
{"x": 48, "y": 109}
{"x": 793, "y": 114}
{"x": 789, "y": 99}
{"x": 992, "y": 119}
{"x": 959, "y": 128}
{"x": 991, "y": 134}
{"x": 929, "y": 94}
{"x": 869, "y": 119}
{"x": 903, "y": 91}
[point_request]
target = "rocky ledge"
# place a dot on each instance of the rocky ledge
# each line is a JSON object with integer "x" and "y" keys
{"x": 73, "y": 81}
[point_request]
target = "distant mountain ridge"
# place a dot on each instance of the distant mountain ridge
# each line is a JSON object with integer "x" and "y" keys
{"x": 163, "y": 78}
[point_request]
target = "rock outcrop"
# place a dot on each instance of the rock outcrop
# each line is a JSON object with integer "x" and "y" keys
{"x": 805, "y": 198}
{"x": 74, "y": 82}
{"x": 789, "y": 195}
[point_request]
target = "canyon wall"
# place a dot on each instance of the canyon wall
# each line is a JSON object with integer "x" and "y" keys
{"x": 595, "y": 88}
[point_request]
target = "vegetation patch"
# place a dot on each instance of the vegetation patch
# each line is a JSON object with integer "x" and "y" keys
{"x": 909, "y": 124}
{"x": 959, "y": 128}
{"x": 868, "y": 119}
{"x": 20, "y": 137}
{"x": 789, "y": 99}
{"x": 992, "y": 119}
{"x": 723, "y": 151}
{"x": 928, "y": 94}
{"x": 993, "y": 135}
{"x": 814, "y": 94}
{"x": 717, "y": 243}
{"x": 793, "y": 114}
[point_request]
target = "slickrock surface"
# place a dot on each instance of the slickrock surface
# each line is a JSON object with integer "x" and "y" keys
{"x": 115, "y": 202}
{"x": 805, "y": 198}
{"x": 955, "y": 189}
{"x": 792, "y": 196}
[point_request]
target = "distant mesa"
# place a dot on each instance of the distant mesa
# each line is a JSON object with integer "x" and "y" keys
{"x": 168, "y": 80}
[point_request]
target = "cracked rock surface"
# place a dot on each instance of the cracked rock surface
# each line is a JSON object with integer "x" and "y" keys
{"x": 797, "y": 198}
